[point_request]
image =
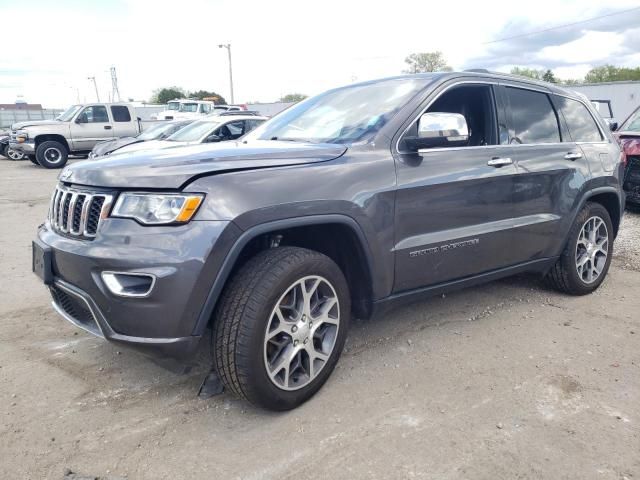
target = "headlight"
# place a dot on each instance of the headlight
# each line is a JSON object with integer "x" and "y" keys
{"x": 157, "y": 209}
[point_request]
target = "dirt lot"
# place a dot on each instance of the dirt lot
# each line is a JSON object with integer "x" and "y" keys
{"x": 509, "y": 380}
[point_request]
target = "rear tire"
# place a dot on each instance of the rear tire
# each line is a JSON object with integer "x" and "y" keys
{"x": 52, "y": 154}
{"x": 267, "y": 349}
{"x": 585, "y": 261}
{"x": 32, "y": 159}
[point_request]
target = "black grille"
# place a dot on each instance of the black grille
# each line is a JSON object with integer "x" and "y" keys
{"x": 77, "y": 212}
{"x": 94, "y": 215}
{"x": 65, "y": 209}
{"x": 631, "y": 183}
{"x": 75, "y": 308}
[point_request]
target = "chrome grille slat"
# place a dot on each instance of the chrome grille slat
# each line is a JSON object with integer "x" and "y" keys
{"x": 67, "y": 204}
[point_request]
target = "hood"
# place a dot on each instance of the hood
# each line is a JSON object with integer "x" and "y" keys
{"x": 35, "y": 123}
{"x": 150, "y": 145}
{"x": 108, "y": 146}
{"x": 174, "y": 167}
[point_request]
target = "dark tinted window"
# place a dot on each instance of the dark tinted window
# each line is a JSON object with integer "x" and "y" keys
{"x": 120, "y": 113}
{"x": 581, "y": 124}
{"x": 532, "y": 117}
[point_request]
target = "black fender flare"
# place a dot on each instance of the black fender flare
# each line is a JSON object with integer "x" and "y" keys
{"x": 597, "y": 191}
{"x": 232, "y": 256}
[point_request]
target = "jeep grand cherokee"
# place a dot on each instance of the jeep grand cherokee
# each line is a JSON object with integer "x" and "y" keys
{"x": 356, "y": 198}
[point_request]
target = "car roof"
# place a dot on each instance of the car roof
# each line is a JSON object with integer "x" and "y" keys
{"x": 480, "y": 74}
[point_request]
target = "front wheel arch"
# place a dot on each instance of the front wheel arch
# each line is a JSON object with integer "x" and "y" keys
{"x": 362, "y": 306}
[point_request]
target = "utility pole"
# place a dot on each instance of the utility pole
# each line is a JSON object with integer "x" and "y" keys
{"x": 228, "y": 47}
{"x": 115, "y": 93}
{"x": 95, "y": 86}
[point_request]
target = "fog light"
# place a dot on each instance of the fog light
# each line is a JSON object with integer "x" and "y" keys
{"x": 125, "y": 284}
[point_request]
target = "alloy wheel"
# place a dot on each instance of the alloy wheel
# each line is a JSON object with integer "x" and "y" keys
{"x": 53, "y": 155}
{"x": 301, "y": 332}
{"x": 592, "y": 249}
{"x": 14, "y": 154}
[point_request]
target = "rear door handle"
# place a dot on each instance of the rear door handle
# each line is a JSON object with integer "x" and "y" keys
{"x": 107, "y": 127}
{"x": 499, "y": 162}
{"x": 573, "y": 156}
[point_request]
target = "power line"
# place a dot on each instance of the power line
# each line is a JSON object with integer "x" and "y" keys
{"x": 562, "y": 26}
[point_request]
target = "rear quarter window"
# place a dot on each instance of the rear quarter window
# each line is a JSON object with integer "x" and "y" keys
{"x": 533, "y": 118}
{"x": 582, "y": 126}
{"x": 120, "y": 113}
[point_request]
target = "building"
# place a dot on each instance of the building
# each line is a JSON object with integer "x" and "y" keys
{"x": 624, "y": 97}
{"x": 21, "y": 106}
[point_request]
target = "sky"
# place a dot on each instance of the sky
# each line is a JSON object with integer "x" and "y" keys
{"x": 283, "y": 46}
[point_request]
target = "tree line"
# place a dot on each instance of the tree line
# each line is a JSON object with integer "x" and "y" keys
{"x": 166, "y": 94}
{"x": 435, "y": 62}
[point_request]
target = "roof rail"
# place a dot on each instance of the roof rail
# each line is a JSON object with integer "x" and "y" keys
{"x": 478, "y": 70}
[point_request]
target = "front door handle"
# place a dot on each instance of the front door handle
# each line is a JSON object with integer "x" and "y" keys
{"x": 573, "y": 156}
{"x": 107, "y": 127}
{"x": 499, "y": 162}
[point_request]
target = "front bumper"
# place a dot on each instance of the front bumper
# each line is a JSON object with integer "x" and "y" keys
{"x": 184, "y": 260}
{"x": 28, "y": 147}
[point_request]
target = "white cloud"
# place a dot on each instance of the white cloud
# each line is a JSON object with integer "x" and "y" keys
{"x": 281, "y": 46}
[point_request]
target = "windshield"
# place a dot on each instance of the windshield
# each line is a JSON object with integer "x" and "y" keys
{"x": 193, "y": 132}
{"x": 345, "y": 115}
{"x": 188, "y": 107}
{"x": 68, "y": 114}
{"x": 633, "y": 123}
{"x": 173, "y": 106}
{"x": 154, "y": 131}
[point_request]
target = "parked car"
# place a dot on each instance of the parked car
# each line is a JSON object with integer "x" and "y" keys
{"x": 347, "y": 203}
{"x": 76, "y": 131}
{"x": 243, "y": 112}
{"x": 628, "y": 134}
{"x": 6, "y": 150}
{"x": 207, "y": 130}
{"x": 219, "y": 109}
{"x": 185, "y": 109}
{"x": 157, "y": 131}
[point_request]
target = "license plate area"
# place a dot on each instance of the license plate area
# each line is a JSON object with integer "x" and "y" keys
{"x": 42, "y": 260}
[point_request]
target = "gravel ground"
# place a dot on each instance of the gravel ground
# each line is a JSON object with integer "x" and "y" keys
{"x": 507, "y": 380}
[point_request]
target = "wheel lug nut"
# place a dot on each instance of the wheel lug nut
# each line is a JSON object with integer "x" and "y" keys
{"x": 295, "y": 343}
{"x": 304, "y": 318}
{"x": 294, "y": 329}
{"x": 306, "y": 340}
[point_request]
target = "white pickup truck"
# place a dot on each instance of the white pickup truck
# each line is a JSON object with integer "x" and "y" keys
{"x": 76, "y": 131}
{"x": 184, "y": 109}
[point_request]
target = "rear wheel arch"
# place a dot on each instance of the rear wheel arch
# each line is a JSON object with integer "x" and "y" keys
{"x": 337, "y": 236}
{"x": 610, "y": 200}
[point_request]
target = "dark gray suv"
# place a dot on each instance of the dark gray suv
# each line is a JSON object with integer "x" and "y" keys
{"x": 351, "y": 200}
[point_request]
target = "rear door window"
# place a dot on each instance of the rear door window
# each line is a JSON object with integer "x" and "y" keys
{"x": 120, "y": 113}
{"x": 533, "y": 118}
{"x": 582, "y": 126}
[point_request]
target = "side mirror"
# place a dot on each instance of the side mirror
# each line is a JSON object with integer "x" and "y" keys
{"x": 81, "y": 119}
{"x": 439, "y": 130}
{"x": 212, "y": 138}
{"x": 613, "y": 126}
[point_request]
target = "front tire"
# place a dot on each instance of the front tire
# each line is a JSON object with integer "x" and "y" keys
{"x": 280, "y": 327}
{"x": 52, "y": 154}
{"x": 585, "y": 261}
